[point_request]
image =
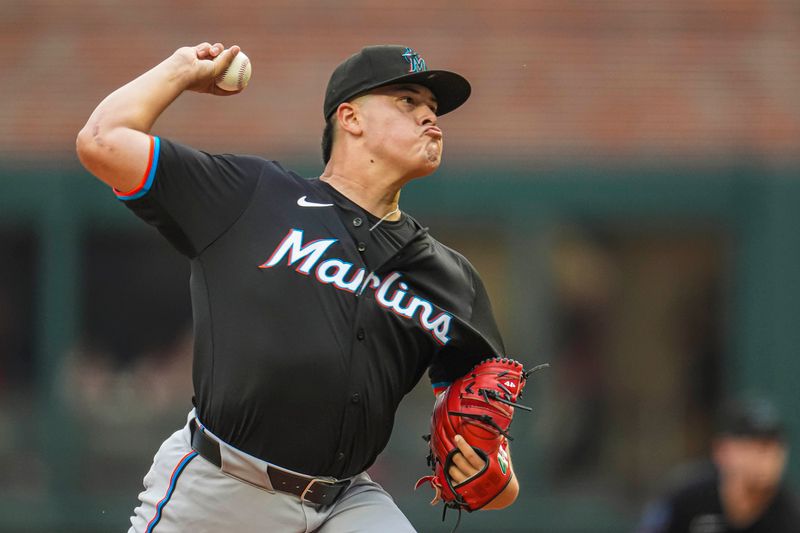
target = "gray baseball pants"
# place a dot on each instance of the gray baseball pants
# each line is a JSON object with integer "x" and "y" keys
{"x": 185, "y": 493}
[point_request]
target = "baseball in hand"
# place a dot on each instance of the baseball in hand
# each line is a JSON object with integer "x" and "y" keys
{"x": 237, "y": 75}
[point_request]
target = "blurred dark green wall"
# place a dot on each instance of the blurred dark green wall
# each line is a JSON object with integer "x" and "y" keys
{"x": 757, "y": 207}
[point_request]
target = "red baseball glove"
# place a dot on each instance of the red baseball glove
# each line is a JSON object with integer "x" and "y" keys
{"x": 478, "y": 406}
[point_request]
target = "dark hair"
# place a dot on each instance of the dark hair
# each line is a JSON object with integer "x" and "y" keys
{"x": 327, "y": 139}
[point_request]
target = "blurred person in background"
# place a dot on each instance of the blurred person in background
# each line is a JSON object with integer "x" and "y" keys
{"x": 742, "y": 491}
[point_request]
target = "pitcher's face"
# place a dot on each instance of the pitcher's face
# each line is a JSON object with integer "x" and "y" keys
{"x": 400, "y": 127}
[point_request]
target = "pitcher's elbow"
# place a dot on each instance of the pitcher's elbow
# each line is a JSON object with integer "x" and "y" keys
{"x": 88, "y": 146}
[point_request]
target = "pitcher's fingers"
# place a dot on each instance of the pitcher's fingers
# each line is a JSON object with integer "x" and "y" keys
{"x": 469, "y": 454}
{"x": 202, "y": 50}
{"x": 463, "y": 465}
{"x": 216, "y": 91}
{"x": 224, "y": 58}
{"x": 216, "y": 49}
{"x": 456, "y": 475}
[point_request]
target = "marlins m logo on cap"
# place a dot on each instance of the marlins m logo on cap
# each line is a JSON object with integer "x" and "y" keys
{"x": 416, "y": 62}
{"x": 388, "y": 64}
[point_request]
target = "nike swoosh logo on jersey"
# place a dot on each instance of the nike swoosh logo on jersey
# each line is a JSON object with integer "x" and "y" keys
{"x": 302, "y": 202}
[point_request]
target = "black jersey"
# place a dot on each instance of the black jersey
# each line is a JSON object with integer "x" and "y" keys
{"x": 309, "y": 328}
{"x": 696, "y": 508}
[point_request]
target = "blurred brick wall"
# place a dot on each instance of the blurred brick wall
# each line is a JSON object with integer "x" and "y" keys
{"x": 616, "y": 80}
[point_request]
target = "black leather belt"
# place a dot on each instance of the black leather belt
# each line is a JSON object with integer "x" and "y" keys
{"x": 311, "y": 489}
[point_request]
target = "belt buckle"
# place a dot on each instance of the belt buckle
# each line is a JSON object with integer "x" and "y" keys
{"x": 311, "y": 484}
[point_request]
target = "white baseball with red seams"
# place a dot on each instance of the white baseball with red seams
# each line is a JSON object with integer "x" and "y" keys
{"x": 237, "y": 74}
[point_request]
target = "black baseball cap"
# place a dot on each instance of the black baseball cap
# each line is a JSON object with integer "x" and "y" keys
{"x": 752, "y": 417}
{"x": 376, "y": 66}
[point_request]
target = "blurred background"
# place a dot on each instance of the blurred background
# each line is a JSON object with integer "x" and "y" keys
{"x": 625, "y": 177}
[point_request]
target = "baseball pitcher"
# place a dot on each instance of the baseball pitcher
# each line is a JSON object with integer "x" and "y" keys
{"x": 317, "y": 304}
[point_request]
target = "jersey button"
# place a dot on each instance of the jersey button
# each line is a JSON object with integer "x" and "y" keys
{"x": 340, "y": 456}
{"x": 357, "y": 221}
{"x": 355, "y": 398}
{"x": 361, "y": 247}
{"x": 360, "y": 334}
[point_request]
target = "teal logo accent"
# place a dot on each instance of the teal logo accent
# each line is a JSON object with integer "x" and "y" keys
{"x": 417, "y": 64}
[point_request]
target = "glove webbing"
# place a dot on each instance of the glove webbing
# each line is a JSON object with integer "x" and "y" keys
{"x": 494, "y": 395}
